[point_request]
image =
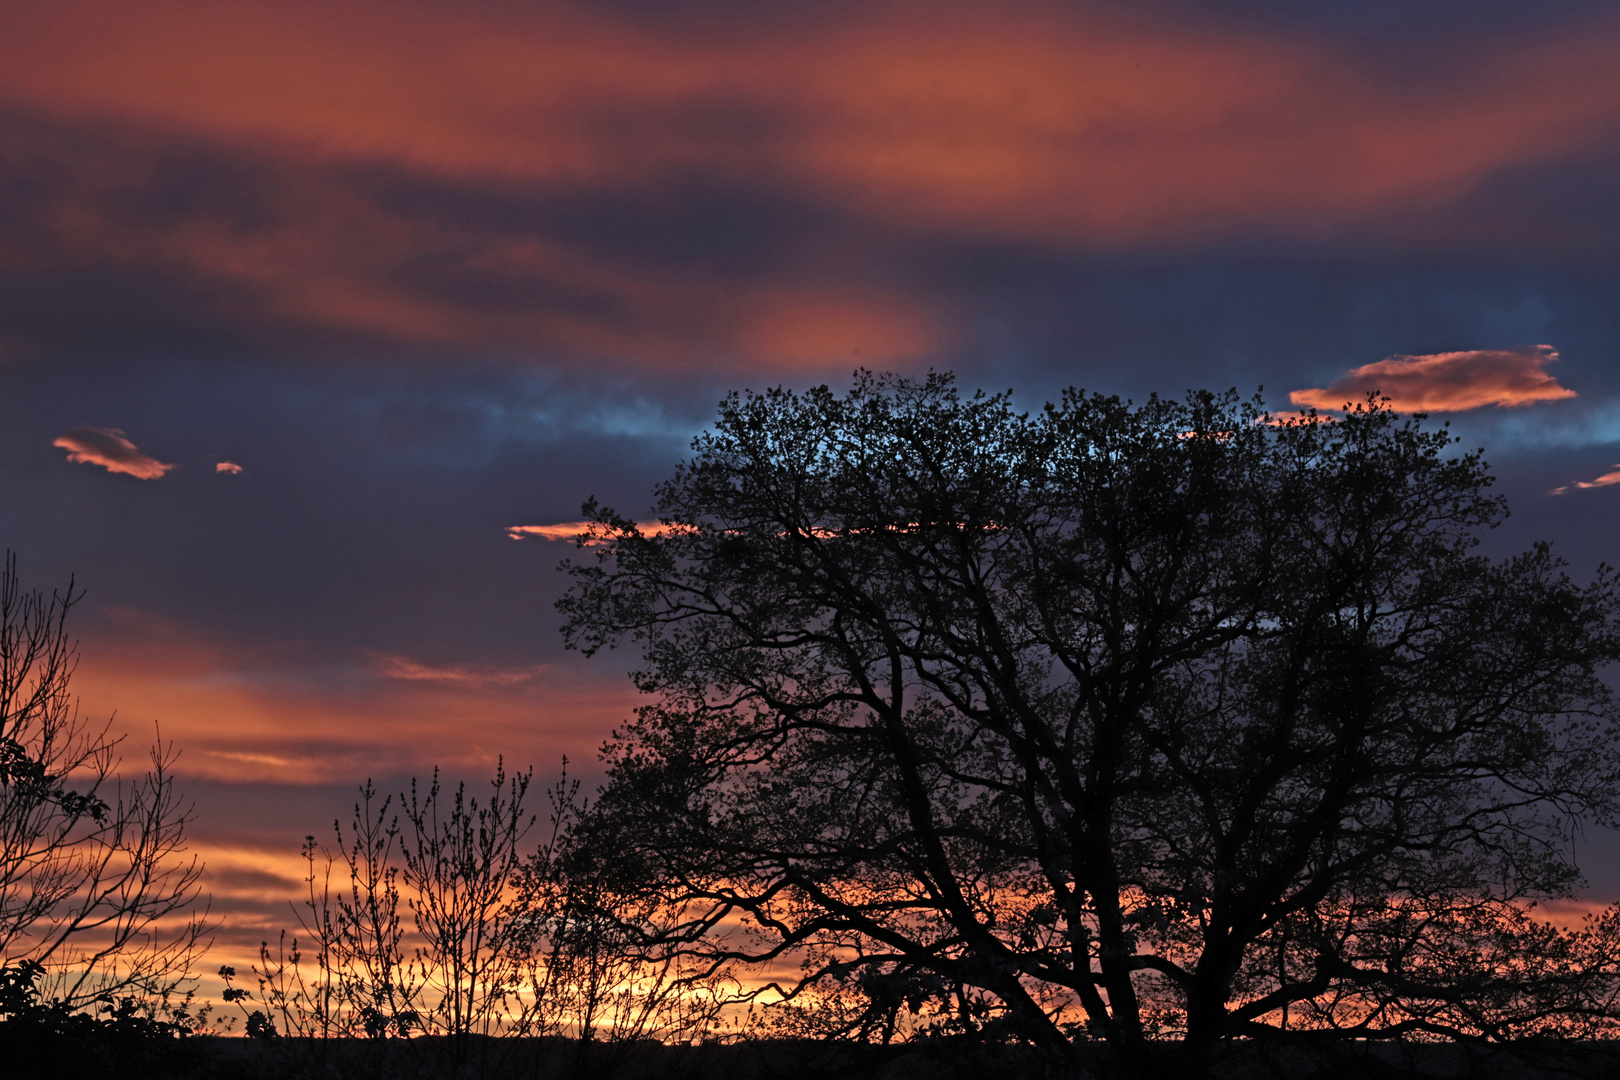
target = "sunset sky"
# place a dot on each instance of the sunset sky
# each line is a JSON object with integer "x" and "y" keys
{"x": 308, "y": 310}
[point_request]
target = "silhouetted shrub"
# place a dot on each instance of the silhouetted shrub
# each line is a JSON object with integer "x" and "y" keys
{"x": 110, "y": 1036}
{"x": 429, "y": 932}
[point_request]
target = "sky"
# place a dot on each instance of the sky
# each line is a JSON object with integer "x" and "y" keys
{"x": 305, "y": 307}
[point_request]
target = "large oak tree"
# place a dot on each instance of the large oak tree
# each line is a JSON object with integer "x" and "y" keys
{"x": 1111, "y": 722}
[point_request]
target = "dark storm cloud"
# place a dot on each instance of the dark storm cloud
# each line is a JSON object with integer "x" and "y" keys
{"x": 162, "y": 247}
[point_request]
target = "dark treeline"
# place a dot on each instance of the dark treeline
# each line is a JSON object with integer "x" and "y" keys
{"x": 1114, "y": 740}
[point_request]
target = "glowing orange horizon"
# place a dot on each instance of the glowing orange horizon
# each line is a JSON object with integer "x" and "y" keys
{"x": 270, "y": 715}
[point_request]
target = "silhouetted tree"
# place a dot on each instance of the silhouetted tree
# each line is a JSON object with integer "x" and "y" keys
{"x": 418, "y": 935}
{"x": 430, "y": 917}
{"x": 1134, "y": 722}
{"x": 462, "y": 863}
{"x": 96, "y": 891}
{"x": 596, "y": 930}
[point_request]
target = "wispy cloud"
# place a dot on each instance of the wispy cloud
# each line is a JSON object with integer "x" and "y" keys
{"x": 297, "y": 718}
{"x": 1067, "y": 127}
{"x": 570, "y": 530}
{"x": 1040, "y": 119}
{"x": 109, "y": 448}
{"x": 1608, "y": 479}
{"x": 1058, "y": 124}
{"x": 1447, "y": 382}
{"x": 230, "y": 468}
{"x": 469, "y": 676}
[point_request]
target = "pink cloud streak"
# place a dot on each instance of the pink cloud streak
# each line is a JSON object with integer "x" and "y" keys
{"x": 1447, "y": 382}
{"x": 230, "y": 468}
{"x": 570, "y": 530}
{"x": 1608, "y": 479}
{"x": 109, "y": 448}
{"x": 471, "y": 676}
{"x": 1039, "y": 119}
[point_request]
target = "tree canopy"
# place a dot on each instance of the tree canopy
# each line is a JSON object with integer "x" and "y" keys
{"x": 1113, "y": 721}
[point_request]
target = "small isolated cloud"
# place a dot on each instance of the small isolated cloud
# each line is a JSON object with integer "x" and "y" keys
{"x": 109, "y": 448}
{"x": 570, "y": 530}
{"x": 470, "y": 676}
{"x": 230, "y": 468}
{"x": 1608, "y": 479}
{"x": 1447, "y": 382}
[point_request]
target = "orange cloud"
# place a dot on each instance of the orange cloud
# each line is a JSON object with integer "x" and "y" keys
{"x": 1062, "y": 126}
{"x": 1071, "y": 124}
{"x": 474, "y": 676}
{"x": 1068, "y": 127}
{"x": 230, "y": 468}
{"x": 325, "y": 255}
{"x": 1447, "y": 382}
{"x": 571, "y": 530}
{"x": 800, "y": 329}
{"x": 279, "y": 714}
{"x": 1608, "y": 479}
{"x": 1571, "y": 914}
{"x": 109, "y": 448}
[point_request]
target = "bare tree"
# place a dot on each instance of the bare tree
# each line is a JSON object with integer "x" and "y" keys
{"x": 381, "y": 983}
{"x": 611, "y": 945}
{"x": 95, "y": 883}
{"x": 461, "y": 867}
{"x": 432, "y": 917}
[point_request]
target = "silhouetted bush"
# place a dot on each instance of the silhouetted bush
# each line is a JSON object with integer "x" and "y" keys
{"x": 428, "y": 935}
{"x": 110, "y": 1036}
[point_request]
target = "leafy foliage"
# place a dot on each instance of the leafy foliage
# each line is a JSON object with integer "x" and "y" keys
{"x": 121, "y": 1037}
